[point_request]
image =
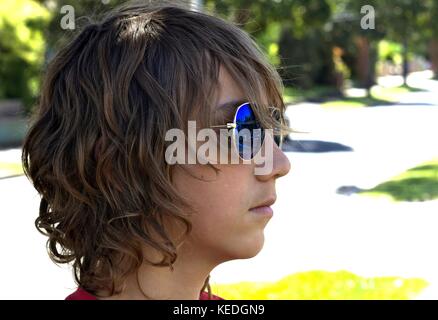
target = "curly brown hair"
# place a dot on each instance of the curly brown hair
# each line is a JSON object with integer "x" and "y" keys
{"x": 95, "y": 150}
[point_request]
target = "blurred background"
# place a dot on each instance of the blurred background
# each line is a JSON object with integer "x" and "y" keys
{"x": 357, "y": 217}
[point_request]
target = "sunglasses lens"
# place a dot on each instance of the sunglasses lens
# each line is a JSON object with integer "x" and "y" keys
{"x": 249, "y": 134}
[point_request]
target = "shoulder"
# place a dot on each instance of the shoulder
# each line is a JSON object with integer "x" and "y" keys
{"x": 80, "y": 294}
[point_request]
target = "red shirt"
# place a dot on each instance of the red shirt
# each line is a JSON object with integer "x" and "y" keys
{"x": 81, "y": 294}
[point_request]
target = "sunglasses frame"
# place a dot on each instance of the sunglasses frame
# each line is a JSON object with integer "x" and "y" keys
{"x": 233, "y": 125}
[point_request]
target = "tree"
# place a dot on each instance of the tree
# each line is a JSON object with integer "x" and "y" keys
{"x": 429, "y": 32}
{"x": 283, "y": 26}
{"x": 84, "y": 11}
{"x": 359, "y": 43}
{"x": 21, "y": 48}
{"x": 402, "y": 24}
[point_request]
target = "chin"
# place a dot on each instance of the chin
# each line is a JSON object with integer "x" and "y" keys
{"x": 248, "y": 248}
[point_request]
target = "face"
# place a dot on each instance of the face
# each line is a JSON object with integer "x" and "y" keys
{"x": 225, "y": 226}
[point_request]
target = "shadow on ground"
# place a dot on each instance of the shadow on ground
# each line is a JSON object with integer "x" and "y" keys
{"x": 316, "y": 146}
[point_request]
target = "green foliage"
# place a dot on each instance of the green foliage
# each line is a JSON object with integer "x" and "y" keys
{"x": 269, "y": 42}
{"x": 306, "y": 61}
{"x": 416, "y": 184}
{"x": 84, "y": 10}
{"x": 390, "y": 51}
{"x": 305, "y": 46}
{"x": 290, "y": 31}
{"x": 298, "y": 35}
{"x": 21, "y": 48}
{"x": 427, "y": 20}
{"x": 401, "y": 18}
{"x": 315, "y": 285}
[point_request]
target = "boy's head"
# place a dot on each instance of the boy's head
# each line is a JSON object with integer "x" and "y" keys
{"x": 96, "y": 148}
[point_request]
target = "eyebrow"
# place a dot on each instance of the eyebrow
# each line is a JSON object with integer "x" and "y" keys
{"x": 230, "y": 104}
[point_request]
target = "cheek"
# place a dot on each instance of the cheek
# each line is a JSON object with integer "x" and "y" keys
{"x": 220, "y": 198}
{"x": 222, "y": 225}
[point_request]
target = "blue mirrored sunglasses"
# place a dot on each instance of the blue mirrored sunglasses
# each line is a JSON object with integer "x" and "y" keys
{"x": 248, "y": 134}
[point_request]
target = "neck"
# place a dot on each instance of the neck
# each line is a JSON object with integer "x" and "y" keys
{"x": 184, "y": 282}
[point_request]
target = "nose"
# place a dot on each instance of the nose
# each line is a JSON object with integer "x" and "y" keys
{"x": 280, "y": 163}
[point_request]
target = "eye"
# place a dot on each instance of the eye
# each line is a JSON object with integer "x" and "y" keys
{"x": 277, "y": 116}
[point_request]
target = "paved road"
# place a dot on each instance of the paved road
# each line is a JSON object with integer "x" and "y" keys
{"x": 26, "y": 271}
{"x": 313, "y": 227}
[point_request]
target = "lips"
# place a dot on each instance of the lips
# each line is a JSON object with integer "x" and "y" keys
{"x": 266, "y": 203}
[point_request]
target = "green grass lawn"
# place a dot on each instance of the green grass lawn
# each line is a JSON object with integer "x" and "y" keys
{"x": 354, "y": 102}
{"x": 295, "y": 95}
{"x": 416, "y": 184}
{"x": 392, "y": 94}
{"x": 324, "y": 285}
{"x": 10, "y": 169}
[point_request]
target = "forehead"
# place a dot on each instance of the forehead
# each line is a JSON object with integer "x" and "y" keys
{"x": 230, "y": 93}
{"x": 229, "y": 90}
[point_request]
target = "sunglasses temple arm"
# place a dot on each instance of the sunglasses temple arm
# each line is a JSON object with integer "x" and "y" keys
{"x": 228, "y": 126}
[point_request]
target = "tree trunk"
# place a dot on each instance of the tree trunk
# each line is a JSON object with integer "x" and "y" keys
{"x": 433, "y": 54}
{"x": 405, "y": 59}
{"x": 362, "y": 60}
{"x": 373, "y": 56}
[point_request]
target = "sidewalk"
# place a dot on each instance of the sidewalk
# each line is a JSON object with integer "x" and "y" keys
{"x": 26, "y": 271}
